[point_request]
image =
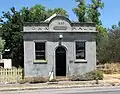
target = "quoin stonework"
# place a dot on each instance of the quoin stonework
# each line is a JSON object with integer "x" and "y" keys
{"x": 60, "y": 46}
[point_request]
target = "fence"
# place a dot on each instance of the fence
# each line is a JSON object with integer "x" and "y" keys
{"x": 11, "y": 75}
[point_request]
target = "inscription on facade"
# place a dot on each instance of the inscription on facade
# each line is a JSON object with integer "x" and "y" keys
{"x": 36, "y": 28}
{"x": 82, "y": 28}
{"x": 58, "y": 27}
{"x": 61, "y": 23}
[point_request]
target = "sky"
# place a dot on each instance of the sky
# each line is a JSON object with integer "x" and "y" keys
{"x": 109, "y": 15}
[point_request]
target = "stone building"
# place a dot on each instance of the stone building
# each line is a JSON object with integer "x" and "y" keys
{"x": 60, "y": 46}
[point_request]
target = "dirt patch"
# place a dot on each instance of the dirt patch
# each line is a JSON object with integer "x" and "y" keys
{"x": 112, "y": 78}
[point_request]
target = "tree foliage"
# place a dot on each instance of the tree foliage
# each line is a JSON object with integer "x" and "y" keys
{"x": 39, "y": 13}
{"x": 110, "y": 47}
{"x": 93, "y": 11}
{"x": 11, "y": 33}
{"x": 89, "y": 12}
{"x": 115, "y": 27}
{"x": 59, "y": 11}
{"x": 2, "y": 43}
{"x": 80, "y": 11}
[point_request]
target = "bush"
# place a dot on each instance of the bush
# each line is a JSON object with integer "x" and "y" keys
{"x": 23, "y": 81}
{"x": 33, "y": 80}
{"x": 97, "y": 75}
{"x": 108, "y": 47}
{"x": 93, "y": 75}
{"x": 38, "y": 80}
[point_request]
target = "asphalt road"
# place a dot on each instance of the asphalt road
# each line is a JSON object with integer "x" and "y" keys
{"x": 95, "y": 90}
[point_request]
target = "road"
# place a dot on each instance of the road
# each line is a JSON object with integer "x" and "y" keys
{"x": 87, "y": 90}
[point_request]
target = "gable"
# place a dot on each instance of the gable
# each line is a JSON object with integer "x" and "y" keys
{"x": 60, "y": 23}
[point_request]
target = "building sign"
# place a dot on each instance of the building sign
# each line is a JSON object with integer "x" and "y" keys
{"x": 40, "y": 29}
{"x": 81, "y": 28}
{"x": 60, "y": 28}
{"x": 36, "y": 28}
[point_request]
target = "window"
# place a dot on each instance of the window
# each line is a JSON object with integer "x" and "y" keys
{"x": 80, "y": 50}
{"x": 1, "y": 65}
{"x": 40, "y": 50}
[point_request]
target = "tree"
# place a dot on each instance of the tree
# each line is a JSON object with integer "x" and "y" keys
{"x": 93, "y": 11}
{"x": 89, "y": 12}
{"x": 0, "y": 29}
{"x": 80, "y": 11}
{"x": 26, "y": 16}
{"x": 36, "y": 13}
{"x": 116, "y": 27}
{"x": 102, "y": 51}
{"x": 114, "y": 45}
{"x": 2, "y": 43}
{"x": 60, "y": 11}
{"x": 11, "y": 33}
{"x": 39, "y": 13}
{"x": 110, "y": 50}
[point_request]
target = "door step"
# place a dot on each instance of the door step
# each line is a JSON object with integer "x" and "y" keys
{"x": 62, "y": 78}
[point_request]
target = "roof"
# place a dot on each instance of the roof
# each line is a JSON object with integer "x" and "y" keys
{"x": 48, "y": 19}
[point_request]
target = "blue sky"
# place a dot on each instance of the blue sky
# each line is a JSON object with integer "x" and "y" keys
{"x": 110, "y": 13}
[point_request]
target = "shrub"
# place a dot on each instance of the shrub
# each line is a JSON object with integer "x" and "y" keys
{"x": 38, "y": 80}
{"x": 97, "y": 75}
{"x": 93, "y": 75}
{"x": 33, "y": 80}
{"x": 22, "y": 81}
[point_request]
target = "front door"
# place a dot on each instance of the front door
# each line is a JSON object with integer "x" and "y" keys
{"x": 60, "y": 61}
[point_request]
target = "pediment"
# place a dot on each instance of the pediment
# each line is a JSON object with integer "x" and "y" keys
{"x": 60, "y": 23}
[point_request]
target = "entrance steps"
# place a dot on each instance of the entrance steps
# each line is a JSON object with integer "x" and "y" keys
{"x": 62, "y": 78}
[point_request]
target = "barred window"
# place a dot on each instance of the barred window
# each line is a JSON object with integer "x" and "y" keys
{"x": 40, "y": 50}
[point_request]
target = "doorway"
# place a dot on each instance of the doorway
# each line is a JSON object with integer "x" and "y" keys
{"x": 60, "y": 61}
